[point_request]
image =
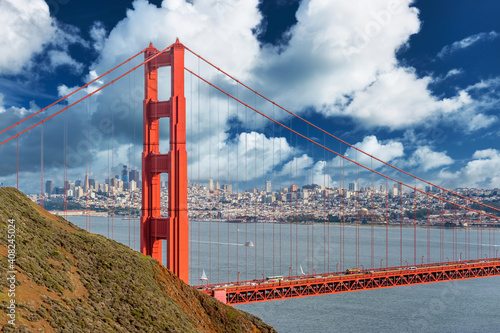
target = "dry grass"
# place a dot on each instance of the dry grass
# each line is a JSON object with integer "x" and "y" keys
{"x": 74, "y": 281}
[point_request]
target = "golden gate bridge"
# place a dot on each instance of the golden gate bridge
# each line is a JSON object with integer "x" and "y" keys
{"x": 328, "y": 217}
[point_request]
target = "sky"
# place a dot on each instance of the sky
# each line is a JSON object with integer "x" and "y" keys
{"x": 414, "y": 83}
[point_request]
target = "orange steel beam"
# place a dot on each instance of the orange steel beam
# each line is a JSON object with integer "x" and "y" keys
{"x": 174, "y": 228}
{"x": 295, "y": 287}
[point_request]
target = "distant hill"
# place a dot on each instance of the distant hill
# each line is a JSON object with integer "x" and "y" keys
{"x": 69, "y": 280}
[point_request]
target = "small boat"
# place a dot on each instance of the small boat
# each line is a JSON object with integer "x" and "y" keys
{"x": 204, "y": 277}
{"x": 249, "y": 244}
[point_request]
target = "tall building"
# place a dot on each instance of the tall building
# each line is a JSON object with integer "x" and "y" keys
{"x": 228, "y": 188}
{"x": 395, "y": 191}
{"x": 94, "y": 184}
{"x": 268, "y": 186}
{"x": 134, "y": 175}
{"x": 49, "y": 187}
{"x": 86, "y": 183}
{"x": 125, "y": 174}
{"x": 293, "y": 188}
{"x": 211, "y": 184}
{"x": 353, "y": 186}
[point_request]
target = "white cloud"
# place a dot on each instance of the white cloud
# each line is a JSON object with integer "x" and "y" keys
{"x": 221, "y": 31}
{"x": 27, "y": 30}
{"x": 388, "y": 152}
{"x": 481, "y": 171}
{"x": 467, "y": 42}
{"x": 454, "y": 72}
{"x": 61, "y": 58}
{"x": 25, "y": 27}
{"x": 427, "y": 159}
{"x": 98, "y": 35}
{"x": 250, "y": 156}
{"x": 335, "y": 49}
{"x": 297, "y": 167}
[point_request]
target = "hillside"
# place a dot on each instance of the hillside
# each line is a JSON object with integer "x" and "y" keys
{"x": 69, "y": 280}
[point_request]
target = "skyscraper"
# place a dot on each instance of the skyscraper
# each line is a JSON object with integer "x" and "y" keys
{"x": 124, "y": 174}
{"x": 134, "y": 175}
{"x": 211, "y": 184}
{"x": 49, "y": 187}
{"x": 268, "y": 186}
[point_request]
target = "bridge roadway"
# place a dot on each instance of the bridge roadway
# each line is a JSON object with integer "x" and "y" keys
{"x": 263, "y": 290}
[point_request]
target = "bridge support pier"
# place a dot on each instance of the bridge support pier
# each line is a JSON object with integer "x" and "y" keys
{"x": 174, "y": 228}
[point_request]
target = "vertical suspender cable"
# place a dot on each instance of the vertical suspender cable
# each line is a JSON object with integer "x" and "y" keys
{"x": 415, "y": 225}
{"x": 272, "y": 195}
{"x": 228, "y": 180}
{"x": 372, "y": 192}
{"x": 17, "y": 163}
{"x": 386, "y": 222}
{"x": 210, "y": 192}
{"x": 220, "y": 181}
{"x": 199, "y": 171}
{"x": 263, "y": 208}
{"x": 401, "y": 222}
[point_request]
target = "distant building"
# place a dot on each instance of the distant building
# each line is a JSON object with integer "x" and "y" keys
{"x": 268, "y": 186}
{"x": 78, "y": 192}
{"x": 293, "y": 188}
{"x": 228, "y": 188}
{"x": 395, "y": 191}
{"x": 49, "y": 187}
{"x": 124, "y": 174}
{"x": 86, "y": 184}
{"x": 134, "y": 175}
{"x": 94, "y": 184}
{"x": 353, "y": 186}
{"x": 211, "y": 184}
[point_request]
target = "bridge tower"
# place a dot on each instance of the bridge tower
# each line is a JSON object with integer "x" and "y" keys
{"x": 174, "y": 228}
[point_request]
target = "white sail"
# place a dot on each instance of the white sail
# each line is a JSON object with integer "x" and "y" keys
{"x": 204, "y": 276}
{"x": 301, "y": 270}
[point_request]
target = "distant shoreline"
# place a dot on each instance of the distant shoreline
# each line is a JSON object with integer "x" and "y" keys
{"x": 368, "y": 225}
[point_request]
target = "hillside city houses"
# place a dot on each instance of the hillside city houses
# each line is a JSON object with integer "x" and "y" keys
{"x": 307, "y": 204}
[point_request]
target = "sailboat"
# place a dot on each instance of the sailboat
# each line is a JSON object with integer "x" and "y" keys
{"x": 204, "y": 277}
{"x": 301, "y": 270}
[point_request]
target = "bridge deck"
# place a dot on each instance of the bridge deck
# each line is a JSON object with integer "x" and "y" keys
{"x": 330, "y": 283}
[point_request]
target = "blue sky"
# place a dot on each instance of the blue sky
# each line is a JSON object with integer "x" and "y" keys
{"x": 415, "y": 83}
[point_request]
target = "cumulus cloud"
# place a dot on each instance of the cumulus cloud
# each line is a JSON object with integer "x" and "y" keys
{"x": 219, "y": 30}
{"x": 399, "y": 99}
{"x": 387, "y": 152}
{"x": 336, "y": 48}
{"x": 61, "y": 58}
{"x": 98, "y": 34}
{"x": 390, "y": 152}
{"x": 27, "y": 30}
{"x": 249, "y": 157}
{"x": 467, "y": 42}
{"x": 427, "y": 159}
{"x": 480, "y": 172}
{"x": 26, "y": 27}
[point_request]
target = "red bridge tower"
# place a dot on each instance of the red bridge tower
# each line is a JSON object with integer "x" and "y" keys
{"x": 174, "y": 228}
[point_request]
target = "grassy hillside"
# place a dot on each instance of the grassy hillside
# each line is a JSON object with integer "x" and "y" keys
{"x": 72, "y": 281}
